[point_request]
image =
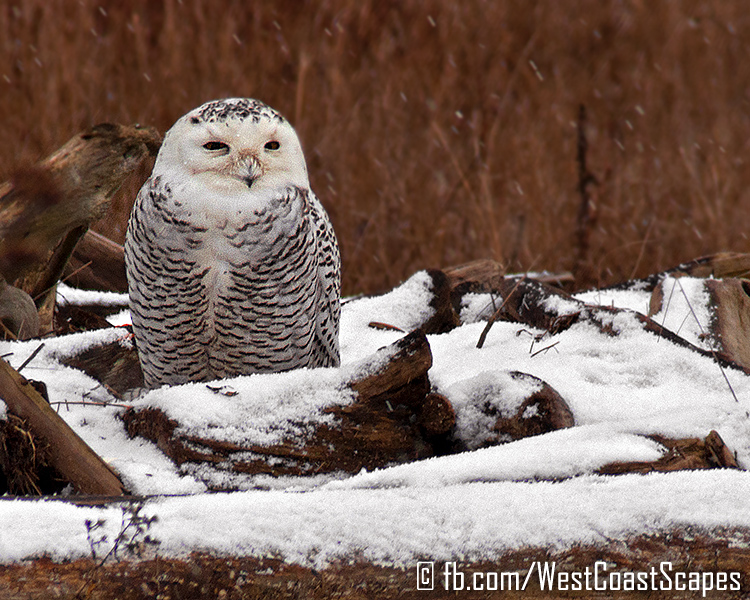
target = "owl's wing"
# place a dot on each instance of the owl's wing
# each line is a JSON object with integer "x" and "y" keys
{"x": 329, "y": 285}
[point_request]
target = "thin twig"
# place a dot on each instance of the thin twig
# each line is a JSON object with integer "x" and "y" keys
{"x": 713, "y": 353}
{"x": 666, "y": 307}
{"x": 586, "y": 212}
{"x": 642, "y": 249}
{"x": 90, "y": 403}
{"x": 9, "y": 335}
{"x": 545, "y": 349}
{"x": 496, "y": 315}
{"x": 31, "y": 357}
{"x": 63, "y": 280}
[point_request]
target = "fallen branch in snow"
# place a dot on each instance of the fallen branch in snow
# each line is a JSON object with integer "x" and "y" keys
{"x": 394, "y": 419}
{"x": 67, "y": 453}
{"x": 47, "y": 208}
{"x": 689, "y": 453}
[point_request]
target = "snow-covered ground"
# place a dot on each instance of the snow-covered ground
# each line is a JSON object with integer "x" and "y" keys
{"x": 538, "y": 491}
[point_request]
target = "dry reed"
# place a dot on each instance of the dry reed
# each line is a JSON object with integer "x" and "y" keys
{"x": 436, "y": 132}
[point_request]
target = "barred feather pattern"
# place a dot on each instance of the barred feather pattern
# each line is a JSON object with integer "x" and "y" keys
{"x": 267, "y": 301}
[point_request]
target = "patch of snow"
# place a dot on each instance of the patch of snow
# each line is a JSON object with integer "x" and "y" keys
{"x": 255, "y": 409}
{"x": 468, "y": 521}
{"x": 637, "y": 300}
{"x": 76, "y": 297}
{"x": 685, "y": 310}
{"x": 120, "y": 319}
{"x": 405, "y": 307}
{"x": 561, "y": 305}
{"x": 478, "y": 307}
{"x": 554, "y": 455}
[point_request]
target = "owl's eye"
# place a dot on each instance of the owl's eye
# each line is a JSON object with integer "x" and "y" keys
{"x": 272, "y": 145}
{"x": 213, "y": 146}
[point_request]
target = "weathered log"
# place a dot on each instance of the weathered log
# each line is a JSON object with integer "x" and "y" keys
{"x": 231, "y": 575}
{"x": 489, "y": 276}
{"x": 46, "y": 209}
{"x": 496, "y": 407}
{"x": 445, "y": 318}
{"x": 97, "y": 263}
{"x": 391, "y": 420}
{"x": 722, "y": 265}
{"x": 115, "y": 365}
{"x": 484, "y": 274}
{"x": 543, "y": 411}
{"x": 729, "y": 327}
{"x": 70, "y": 318}
{"x": 68, "y": 454}
{"x": 688, "y": 453}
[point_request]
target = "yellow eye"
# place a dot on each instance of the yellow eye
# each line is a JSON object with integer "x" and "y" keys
{"x": 216, "y": 146}
{"x": 272, "y": 145}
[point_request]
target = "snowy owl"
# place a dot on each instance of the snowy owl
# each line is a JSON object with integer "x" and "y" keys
{"x": 233, "y": 266}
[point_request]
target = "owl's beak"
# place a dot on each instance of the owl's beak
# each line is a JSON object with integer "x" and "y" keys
{"x": 253, "y": 172}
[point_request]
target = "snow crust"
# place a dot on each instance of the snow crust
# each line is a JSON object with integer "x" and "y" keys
{"x": 539, "y": 491}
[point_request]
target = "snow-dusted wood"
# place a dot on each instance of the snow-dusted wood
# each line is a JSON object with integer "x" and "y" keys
{"x": 689, "y": 453}
{"x": 393, "y": 419}
{"x": 542, "y": 411}
{"x": 67, "y": 453}
{"x": 542, "y": 306}
{"x": 203, "y": 575}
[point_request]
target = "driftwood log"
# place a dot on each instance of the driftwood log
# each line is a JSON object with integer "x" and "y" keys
{"x": 729, "y": 329}
{"x": 66, "y": 452}
{"x": 688, "y": 453}
{"x": 47, "y": 208}
{"x": 97, "y": 263}
{"x": 206, "y": 576}
{"x": 393, "y": 419}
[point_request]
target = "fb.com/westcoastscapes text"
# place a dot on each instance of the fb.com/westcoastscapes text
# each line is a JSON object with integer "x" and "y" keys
{"x": 599, "y": 577}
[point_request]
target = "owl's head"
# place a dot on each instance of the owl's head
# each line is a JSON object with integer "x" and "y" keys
{"x": 231, "y": 146}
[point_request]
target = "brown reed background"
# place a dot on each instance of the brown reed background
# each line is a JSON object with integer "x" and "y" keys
{"x": 436, "y": 132}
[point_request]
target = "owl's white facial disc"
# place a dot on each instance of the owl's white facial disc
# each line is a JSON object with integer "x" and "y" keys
{"x": 239, "y": 150}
